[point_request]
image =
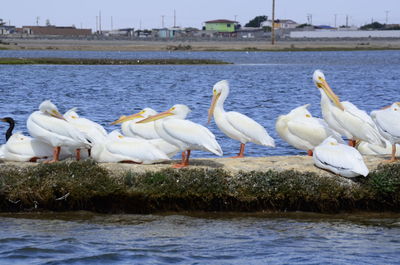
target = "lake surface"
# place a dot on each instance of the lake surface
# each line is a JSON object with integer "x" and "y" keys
{"x": 264, "y": 85}
{"x": 199, "y": 238}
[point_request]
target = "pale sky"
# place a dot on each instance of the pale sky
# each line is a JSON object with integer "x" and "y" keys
{"x": 148, "y": 13}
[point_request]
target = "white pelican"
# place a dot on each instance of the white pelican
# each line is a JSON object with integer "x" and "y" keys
{"x": 90, "y": 128}
{"x": 49, "y": 126}
{"x": 344, "y": 117}
{"x": 372, "y": 149}
{"x": 339, "y": 158}
{"x": 118, "y": 148}
{"x": 303, "y": 131}
{"x": 25, "y": 149}
{"x": 130, "y": 127}
{"x": 234, "y": 124}
{"x": 147, "y": 131}
{"x": 388, "y": 123}
{"x": 19, "y": 147}
{"x": 186, "y": 135}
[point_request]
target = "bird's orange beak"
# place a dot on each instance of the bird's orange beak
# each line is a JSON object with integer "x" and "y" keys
{"x": 128, "y": 118}
{"x": 212, "y": 107}
{"x": 329, "y": 92}
{"x": 157, "y": 116}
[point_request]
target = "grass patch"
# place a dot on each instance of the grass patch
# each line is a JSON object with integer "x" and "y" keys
{"x": 87, "y": 186}
{"x": 84, "y": 61}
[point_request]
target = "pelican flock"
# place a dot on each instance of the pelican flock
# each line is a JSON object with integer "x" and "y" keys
{"x": 150, "y": 137}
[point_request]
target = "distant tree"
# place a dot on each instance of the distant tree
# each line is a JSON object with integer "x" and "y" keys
{"x": 373, "y": 26}
{"x": 256, "y": 22}
{"x": 48, "y": 24}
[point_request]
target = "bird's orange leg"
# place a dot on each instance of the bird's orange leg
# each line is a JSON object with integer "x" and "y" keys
{"x": 309, "y": 152}
{"x": 352, "y": 143}
{"x": 241, "y": 152}
{"x": 78, "y": 154}
{"x": 393, "y": 158}
{"x": 185, "y": 160}
{"x": 56, "y": 155}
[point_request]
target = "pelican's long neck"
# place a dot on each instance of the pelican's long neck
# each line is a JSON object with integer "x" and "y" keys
{"x": 10, "y": 129}
{"x": 220, "y": 103}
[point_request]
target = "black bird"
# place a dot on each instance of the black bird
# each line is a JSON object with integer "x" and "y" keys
{"x": 11, "y": 122}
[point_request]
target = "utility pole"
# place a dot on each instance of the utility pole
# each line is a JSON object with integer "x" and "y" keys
{"x": 235, "y": 17}
{"x": 112, "y": 23}
{"x": 347, "y": 21}
{"x": 335, "y": 19}
{"x": 100, "y": 22}
{"x": 309, "y": 19}
{"x": 387, "y": 15}
{"x": 97, "y": 23}
{"x": 162, "y": 21}
{"x": 174, "y": 18}
{"x": 37, "y": 21}
{"x": 273, "y": 23}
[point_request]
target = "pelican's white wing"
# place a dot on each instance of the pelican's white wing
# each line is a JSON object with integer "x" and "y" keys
{"x": 340, "y": 159}
{"x": 362, "y": 115}
{"x": 55, "y": 131}
{"x": 358, "y": 123}
{"x": 138, "y": 151}
{"x": 193, "y": 134}
{"x": 388, "y": 121}
{"x": 250, "y": 128}
{"x": 23, "y": 148}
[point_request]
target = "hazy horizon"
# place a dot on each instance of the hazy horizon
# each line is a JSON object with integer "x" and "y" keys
{"x": 148, "y": 14}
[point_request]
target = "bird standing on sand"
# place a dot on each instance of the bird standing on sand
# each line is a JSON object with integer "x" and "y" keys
{"x": 344, "y": 117}
{"x": 234, "y": 124}
{"x": 303, "y": 131}
{"x": 186, "y": 135}
{"x": 388, "y": 123}
{"x": 49, "y": 126}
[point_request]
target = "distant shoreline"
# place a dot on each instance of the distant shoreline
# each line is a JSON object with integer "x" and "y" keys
{"x": 210, "y": 45}
{"x": 86, "y": 61}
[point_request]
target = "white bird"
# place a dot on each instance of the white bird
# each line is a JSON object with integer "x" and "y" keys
{"x": 303, "y": 131}
{"x": 186, "y": 135}
{"x": 344, "y": 117}
{"x": 388, "y": 123}
{"x": 19, "y": 147}
{"x": 372, "y": 149}
{"x": 118, "y": 148}
{"x": 339, "y": 158}
{"x": 131, "y": 128}
{"x": 49, "y": 126}
{"x": 25, "y": 149}
{"x": 234, "y": 124}
{"x": 90, "y": 128}
{"x": 147, "y": 131}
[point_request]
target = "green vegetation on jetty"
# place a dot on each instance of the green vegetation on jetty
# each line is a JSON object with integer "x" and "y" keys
{"x": 86, "y": 61}
{"x": 85, "y": 185}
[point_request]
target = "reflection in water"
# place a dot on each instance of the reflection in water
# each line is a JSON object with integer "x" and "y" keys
{"x": 201, "y": 237}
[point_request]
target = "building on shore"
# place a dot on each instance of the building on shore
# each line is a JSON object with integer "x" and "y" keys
{"x": 221, "y": 25}
{"x": 53, "y": 30}
{"x": 280, "y": 24}
{"x": 126, "y": 32}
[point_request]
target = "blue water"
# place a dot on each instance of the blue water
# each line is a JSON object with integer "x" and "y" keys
{"x": 199, "y": 238}
{"x": 264, "y": 85}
